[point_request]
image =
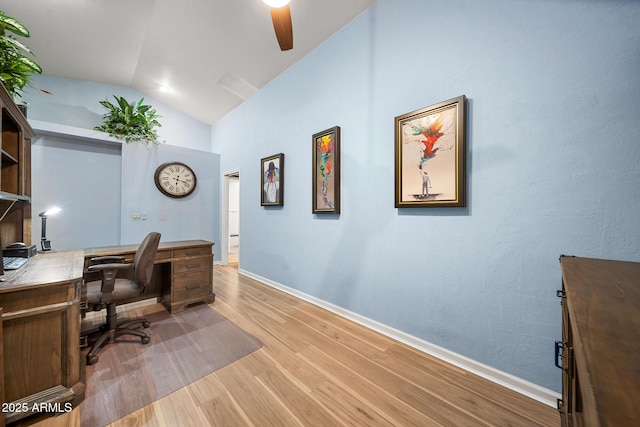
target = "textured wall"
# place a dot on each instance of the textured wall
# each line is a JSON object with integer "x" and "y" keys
{"x": 553, "y": 133}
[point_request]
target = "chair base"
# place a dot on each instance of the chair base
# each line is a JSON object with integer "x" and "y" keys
{"x": 111, "y": 330}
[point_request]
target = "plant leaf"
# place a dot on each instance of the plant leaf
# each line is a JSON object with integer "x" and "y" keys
{"x": 30, "y": 64}
{"x": 13, "y": 25}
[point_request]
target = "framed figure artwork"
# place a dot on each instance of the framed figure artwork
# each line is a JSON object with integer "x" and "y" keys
{"x": 326, "y": 171}
{"x": 272, "y": 180}
{"x": 430, "y": 156}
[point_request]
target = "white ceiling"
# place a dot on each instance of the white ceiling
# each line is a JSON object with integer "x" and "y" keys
{"x": 187, "y": 45}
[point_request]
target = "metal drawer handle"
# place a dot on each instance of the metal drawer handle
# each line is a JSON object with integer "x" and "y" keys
{"x": 193, "y": 265}
{"x": 192, "y": 286}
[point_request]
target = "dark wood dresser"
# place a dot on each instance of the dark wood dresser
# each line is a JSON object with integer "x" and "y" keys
{"x": 600, "y": 347}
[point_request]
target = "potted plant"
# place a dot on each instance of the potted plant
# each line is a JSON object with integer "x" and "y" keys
{"x": 130, "y": 121}
{"x": 16, "y": 68}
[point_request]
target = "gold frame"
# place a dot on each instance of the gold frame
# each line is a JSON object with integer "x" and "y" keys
{"x": 430, "y": 156}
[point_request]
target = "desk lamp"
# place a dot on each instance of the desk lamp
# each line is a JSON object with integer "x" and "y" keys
{"x": 44, "y": 243}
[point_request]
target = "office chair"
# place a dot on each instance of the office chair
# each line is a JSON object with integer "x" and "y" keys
{"x": 111, "y": 291}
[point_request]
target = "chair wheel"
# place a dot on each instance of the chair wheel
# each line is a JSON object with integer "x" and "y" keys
{"x": 146, "y": 324}
{"x": 92, "y": 359}
{"x": 146, "y": 340}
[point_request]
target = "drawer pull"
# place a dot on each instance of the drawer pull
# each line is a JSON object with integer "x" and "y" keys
{"x": 192, "y": 286}
{"x": 193, "y": 265}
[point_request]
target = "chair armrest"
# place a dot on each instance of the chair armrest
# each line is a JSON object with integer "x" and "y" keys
{"x": 108, "y": 273}
{"x": 111, "y": 266}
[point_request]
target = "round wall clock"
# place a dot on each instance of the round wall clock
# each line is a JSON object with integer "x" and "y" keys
{"x": 175, "y": 179}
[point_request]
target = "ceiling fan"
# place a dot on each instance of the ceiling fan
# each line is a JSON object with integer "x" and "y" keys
{"x": 281, "y": 17}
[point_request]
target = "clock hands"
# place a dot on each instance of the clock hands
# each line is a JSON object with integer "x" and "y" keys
{"x": 177, "y": 180}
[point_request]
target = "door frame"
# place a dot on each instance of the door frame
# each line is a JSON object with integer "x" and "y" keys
{"x": 225, "y": 241}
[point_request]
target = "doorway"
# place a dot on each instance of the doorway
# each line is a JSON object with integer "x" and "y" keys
{"x": 231, "y": 219}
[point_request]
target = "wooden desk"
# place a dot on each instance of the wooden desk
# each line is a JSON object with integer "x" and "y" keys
{"x": 183, "y": 272}
{"x": 600, "y": 343}
{"x": 40, "y": 305}
{"x": 41, "y": 332}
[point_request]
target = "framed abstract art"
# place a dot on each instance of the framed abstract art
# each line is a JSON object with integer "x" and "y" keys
{"x": 272, "y": 180}
{"x": 326, "y": 171}
{"x": 430, "y": 156}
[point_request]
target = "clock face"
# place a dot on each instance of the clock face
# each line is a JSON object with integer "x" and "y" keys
{"x": 175, "y": 179}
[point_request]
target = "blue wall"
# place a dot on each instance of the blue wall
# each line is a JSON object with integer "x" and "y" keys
{"x": 76, "y": 176}
{"x": 100, "y": 186}
{"x": 554, "y": 154}
{"x": 196, "y": 216}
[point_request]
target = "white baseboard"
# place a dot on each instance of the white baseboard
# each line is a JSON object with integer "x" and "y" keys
{"x": 519, "y": 385}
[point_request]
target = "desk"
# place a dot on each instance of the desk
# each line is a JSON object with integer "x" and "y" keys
{"x": 41, "y": 308}
{"x": 40, "y": 336}
{"x": 182, "y": 275}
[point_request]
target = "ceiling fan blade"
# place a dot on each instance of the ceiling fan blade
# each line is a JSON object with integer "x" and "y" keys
{"x": 281, "y": 18}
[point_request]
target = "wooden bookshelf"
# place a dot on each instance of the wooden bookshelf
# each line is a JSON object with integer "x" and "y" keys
{"x": 15, "y": 177}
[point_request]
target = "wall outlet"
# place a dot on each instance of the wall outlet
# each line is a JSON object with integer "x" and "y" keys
{"x": 136, "y": 217}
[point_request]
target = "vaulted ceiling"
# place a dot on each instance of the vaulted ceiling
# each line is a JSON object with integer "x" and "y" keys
{"x": 202, "y": 57}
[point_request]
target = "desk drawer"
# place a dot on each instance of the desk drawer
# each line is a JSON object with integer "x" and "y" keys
{"x": 187, "y": 252}
{"x": 192, "y": 285}
{"x": 163, "y": 254}
{"x": 193, "y": 264}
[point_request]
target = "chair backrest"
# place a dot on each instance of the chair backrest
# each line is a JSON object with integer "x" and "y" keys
{"x": 144, "y": 258}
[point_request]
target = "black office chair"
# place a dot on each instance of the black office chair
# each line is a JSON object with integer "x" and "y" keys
{"x": 111, "y": 291}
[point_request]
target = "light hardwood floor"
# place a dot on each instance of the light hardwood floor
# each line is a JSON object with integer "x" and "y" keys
{"x": 318, "y": 369}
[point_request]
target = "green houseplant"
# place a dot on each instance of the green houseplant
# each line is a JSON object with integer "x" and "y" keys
{"x": 130, "y": 121}
{"x": 16, "y": 68}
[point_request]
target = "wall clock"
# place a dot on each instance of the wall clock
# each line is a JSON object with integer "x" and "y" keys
{"x": 175, "y": 179}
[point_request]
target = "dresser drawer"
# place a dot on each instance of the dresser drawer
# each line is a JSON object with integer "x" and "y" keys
{"x": 192, "y": 285}
{"x": 193, "y": 264}
{"x": 187, "y": 252}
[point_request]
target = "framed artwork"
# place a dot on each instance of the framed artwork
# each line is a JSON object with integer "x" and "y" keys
{"x": 326, "y": 171}
{"x": 272, "y": 180}
{"x": 430, "y": 156}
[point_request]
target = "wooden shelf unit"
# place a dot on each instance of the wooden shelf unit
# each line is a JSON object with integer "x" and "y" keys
{"x": 15, "y": 178}
{"x": 600, "y": 347}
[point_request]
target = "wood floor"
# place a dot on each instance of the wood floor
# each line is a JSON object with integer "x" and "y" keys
{"x": 318, "y": 369}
